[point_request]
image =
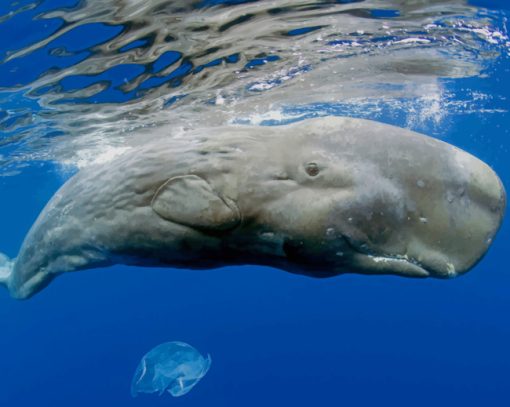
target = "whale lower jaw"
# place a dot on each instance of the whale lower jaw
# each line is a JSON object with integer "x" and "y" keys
{"x": 370, "y": 264}
{"x": 399, "y": 265}
{"x": 367, "y": 261}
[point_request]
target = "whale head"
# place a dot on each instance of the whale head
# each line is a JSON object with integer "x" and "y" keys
{"x": 343, "y": 195}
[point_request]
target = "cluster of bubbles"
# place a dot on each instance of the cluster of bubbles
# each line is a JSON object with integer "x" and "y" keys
{"x": 92, "y": 72}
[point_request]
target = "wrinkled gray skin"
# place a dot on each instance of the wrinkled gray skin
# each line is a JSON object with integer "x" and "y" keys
{"x": 320, "y": 197}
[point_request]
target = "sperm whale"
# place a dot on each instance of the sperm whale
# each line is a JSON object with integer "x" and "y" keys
{"x": 320, "y": 197}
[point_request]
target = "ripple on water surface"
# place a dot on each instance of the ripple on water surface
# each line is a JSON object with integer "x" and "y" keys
{"x": 76, "y": 77}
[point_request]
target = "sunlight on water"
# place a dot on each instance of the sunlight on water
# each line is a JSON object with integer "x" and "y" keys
{"x": 90, "y": 73}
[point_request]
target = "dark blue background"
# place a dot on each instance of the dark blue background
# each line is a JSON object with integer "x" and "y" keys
{"x": 275, "y": 338}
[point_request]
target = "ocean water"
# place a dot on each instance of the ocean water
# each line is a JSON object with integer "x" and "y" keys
{"x": 80, "y": 79}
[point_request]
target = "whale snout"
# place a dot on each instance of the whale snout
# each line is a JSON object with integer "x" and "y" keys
{"x": 457, "y": 218}
{"x": 434, "y": 211}
{"x": 476, "y": 206}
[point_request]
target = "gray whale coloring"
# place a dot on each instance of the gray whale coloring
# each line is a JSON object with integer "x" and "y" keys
{"x": 320, "y": 197}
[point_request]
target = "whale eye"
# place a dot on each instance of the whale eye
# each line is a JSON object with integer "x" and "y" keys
{"x": 312, "y": 169}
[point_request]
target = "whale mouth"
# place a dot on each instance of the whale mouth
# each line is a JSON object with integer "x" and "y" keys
{"x": 362, "y": 259}
{"x": 398, "y": 265}
{"x": 367, "y": 261}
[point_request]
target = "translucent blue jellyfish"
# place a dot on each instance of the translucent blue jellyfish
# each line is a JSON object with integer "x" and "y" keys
{"x": 172, "y": 366}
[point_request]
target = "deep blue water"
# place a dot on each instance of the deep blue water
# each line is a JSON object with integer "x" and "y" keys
{"x": 275, "y": 338}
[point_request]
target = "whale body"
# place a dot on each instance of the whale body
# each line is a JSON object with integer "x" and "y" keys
{"x": 320, "y": 197}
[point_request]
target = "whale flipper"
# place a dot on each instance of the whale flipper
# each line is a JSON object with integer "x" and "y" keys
{"x": 6, "y": 265}
{"x": 189, "y": 200}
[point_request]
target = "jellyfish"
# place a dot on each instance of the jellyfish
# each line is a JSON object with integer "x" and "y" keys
{"x": 172, "y": 366}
